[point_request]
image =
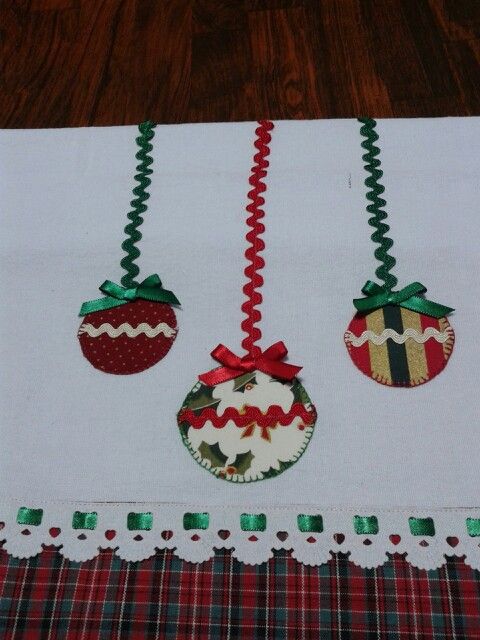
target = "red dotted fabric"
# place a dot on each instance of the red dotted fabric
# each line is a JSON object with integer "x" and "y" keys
{"x": 123, "y": 354}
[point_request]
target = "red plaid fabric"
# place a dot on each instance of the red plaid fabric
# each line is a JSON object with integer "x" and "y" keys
{"x": 50, "y": 598}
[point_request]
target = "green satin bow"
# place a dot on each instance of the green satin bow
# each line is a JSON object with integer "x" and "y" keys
{"x": 150, "y": 289}
{"x": 407, "y": 297}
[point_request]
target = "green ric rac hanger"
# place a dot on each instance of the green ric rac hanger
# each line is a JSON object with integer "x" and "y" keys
{"x": 130, "y": 290}
{"x": 376, "y": 295}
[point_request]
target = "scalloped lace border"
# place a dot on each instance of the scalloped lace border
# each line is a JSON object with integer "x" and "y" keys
{"x": 312, "y": 532}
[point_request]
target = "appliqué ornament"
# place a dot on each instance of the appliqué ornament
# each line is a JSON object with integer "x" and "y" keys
{"x": 133, "y": 326}
{"x": 129, "y": 338}
{"x": 250, "y": 428}
{"x": 399, "y": 347}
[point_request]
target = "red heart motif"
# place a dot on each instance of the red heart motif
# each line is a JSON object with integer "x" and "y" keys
{"x": 195, "y": 537}
{"x": 338, "y": 537}
{"x": 253, "y": 538}
{"x": 395, "y": 538}
{"x": 452, "y": 541}
{"x": 311, "y": 539}
{"x": 54, "y": 532}
{"x": 166, "y": 535}
{"x": 223, "y": 534}
{"x": 282, "y": 535}
{"x": 110, "y": 534}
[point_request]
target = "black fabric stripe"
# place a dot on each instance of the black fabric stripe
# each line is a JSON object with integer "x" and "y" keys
{"x": 397, "y": 354}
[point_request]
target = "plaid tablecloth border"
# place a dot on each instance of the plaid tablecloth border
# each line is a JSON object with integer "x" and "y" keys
{"x": 50, "y": 598}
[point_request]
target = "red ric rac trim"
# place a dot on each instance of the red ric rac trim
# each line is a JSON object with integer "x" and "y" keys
{"x": 275, "y": 415}
{"x": 269, "y": 361}
{"x": 255, "y": 280}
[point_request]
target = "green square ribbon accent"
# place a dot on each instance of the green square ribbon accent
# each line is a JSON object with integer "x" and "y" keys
{"x": 421, "y": 526}
{"x": 29, "y": 516}
{"x": 253, "y": 522}
{"x": 473, "y": 527}
{"x": 84, "y": 520}
{"x": 365, "y": 525}
{"x": 195, "y": 521}
{"x": 140, "y": 521}
{"x": 310, "y": 524}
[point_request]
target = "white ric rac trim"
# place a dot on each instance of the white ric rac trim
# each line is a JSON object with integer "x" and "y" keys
{"x": 399, "y": 338}
{"x": 131, "y": 332}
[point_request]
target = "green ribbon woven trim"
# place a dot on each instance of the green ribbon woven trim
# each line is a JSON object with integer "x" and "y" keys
{"x": 253, "y": 522}
{"x": 33, "y": 517}
{"x": 473, "y": 527}
{"x": 408, "y": 297}
{"x": 150, "y": 289}
{"x": 365, "y": 525}
{"x": 84, "y": 520}
{"x": 307, "y": 523}
{"x": 421, "y": 526}
{"x": 140, "y": 521}
{"x": 196, "y": 521}
{"x": 310, "y": 523}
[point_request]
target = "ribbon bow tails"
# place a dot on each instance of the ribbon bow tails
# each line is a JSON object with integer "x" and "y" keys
{"x": 408, "y": 297}
{"x": 268, "y": 361}
{"x": 116, "y": 295}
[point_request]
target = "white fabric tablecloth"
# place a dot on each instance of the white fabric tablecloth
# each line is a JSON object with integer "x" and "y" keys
{"x": 70, "y": 432}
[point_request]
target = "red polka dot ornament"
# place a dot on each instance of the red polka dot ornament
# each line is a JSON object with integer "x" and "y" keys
{"x": 133, "y": 326}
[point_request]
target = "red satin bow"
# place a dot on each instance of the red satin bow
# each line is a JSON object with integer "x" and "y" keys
{"x": 268, "y": 361}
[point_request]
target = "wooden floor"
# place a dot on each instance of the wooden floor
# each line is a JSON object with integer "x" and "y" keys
{"x": 103, "y": 62}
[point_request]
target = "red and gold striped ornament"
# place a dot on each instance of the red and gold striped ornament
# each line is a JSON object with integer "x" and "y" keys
{"x": 398, "y": 337}
{"x": 399, "y": 347}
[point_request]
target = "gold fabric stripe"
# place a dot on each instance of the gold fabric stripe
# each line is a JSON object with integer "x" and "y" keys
{"x": 447, "y": 346}
{"x": 378, "y": 353}
{"x": 416, "y": 357}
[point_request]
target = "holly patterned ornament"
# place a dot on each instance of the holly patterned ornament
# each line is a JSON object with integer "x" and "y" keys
{"x": 133, "y": 326}
{"x": 250, "y": 418}
{"x": 397, "y": 338}
{"x": 248, "y": 428}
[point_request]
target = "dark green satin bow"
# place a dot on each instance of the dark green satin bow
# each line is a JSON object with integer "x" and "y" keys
{"x": 407, "y": 297}
{"x": 150, "y": 289}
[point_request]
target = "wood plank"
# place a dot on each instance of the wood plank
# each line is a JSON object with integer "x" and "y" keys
{"x": 77, "y": 62}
